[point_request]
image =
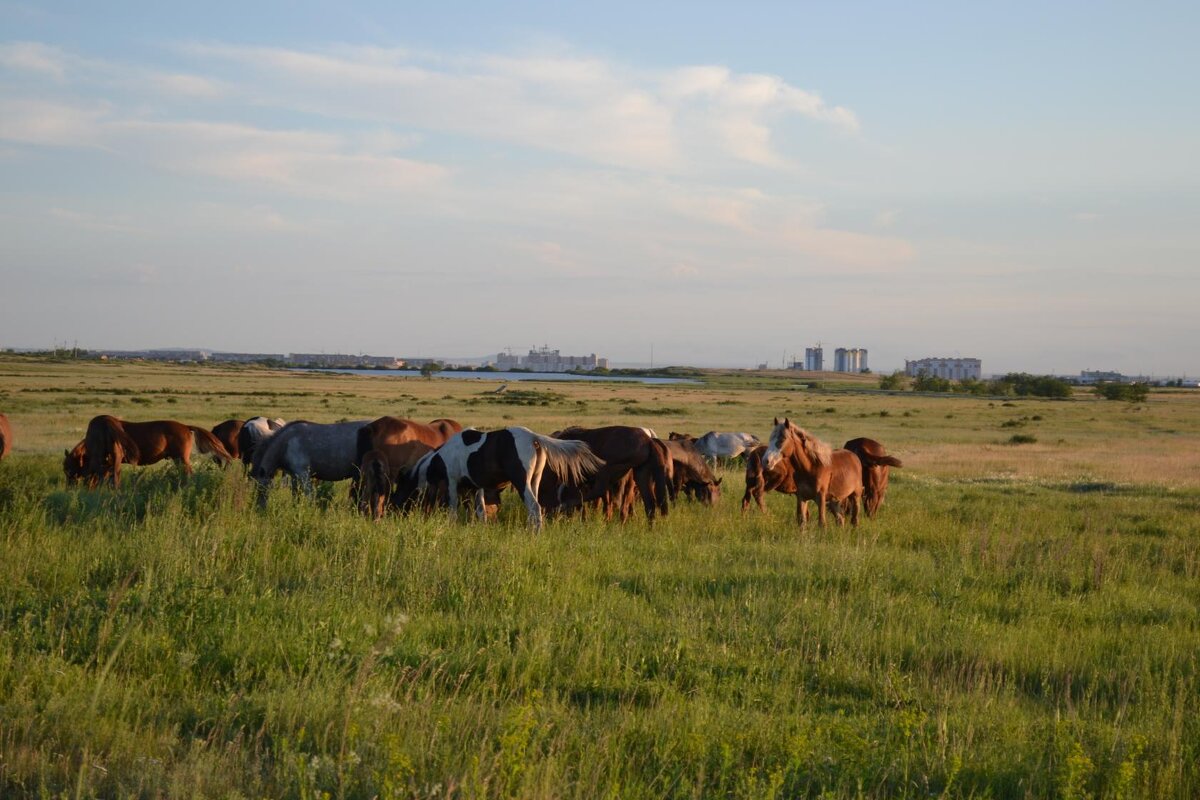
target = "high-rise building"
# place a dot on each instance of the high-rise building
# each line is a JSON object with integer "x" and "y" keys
{"x": 850, "y": 359}
{"x": 814, "y": 359}
{"x": 952, "y": 369}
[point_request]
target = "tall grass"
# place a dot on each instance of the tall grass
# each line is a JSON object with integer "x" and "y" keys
{"x": 985, "y": 639}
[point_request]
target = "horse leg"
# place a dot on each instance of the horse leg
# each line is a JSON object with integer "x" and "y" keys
{"x": 645, "y": 485}
{"x": 822, "y": 501}
{"x": 452, "y": 497}
{"x": 533, "y": 482}
{"x": 854, "y": 510}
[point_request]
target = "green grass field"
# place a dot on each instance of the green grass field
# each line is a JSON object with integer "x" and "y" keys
{"x": 1020, "y": 621}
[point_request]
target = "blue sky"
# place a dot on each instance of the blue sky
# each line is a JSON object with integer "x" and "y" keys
{"x": 732, "y": 182}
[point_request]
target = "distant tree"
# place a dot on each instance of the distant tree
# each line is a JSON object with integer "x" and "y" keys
{"x": 430, "y": 368}
{"x": 1026, "y": 385}
{"x": 893, "y": 381}
{"x": 924, "y": 382}
{"x": 1129, "y": 392}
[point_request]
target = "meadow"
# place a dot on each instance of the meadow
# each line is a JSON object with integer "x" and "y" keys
{"x": 1021, "y": 620}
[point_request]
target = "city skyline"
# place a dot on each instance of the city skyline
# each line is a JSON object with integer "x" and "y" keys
{"x": 1016, "y": 184}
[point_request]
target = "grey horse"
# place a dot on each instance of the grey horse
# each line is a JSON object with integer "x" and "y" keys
{"x": 307, "y": 450}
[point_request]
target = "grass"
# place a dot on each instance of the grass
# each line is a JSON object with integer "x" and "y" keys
{"x": 1018, "y": 622}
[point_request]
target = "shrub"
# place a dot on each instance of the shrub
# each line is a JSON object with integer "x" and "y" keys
{"x": 1129, "y": 392}
{"x": 1022, "y": 438}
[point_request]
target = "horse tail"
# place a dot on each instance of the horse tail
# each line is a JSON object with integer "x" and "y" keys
{"x": 364, "y": 442}
{"x": 661, "y": 465}
{"x": 887, "y": 461}
{"x": 210, "y": 445}
{"x": 572, "y": 460}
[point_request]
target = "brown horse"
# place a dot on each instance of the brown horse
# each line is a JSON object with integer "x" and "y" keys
{"x": 110, "y": 441}
{"x": 760, "y": 480}
{"x": 623, "y": 449}
{"x": 820, "y": 472}
{"x": 875, "y": 464}
{"x": 380, "y": 471}
{"x": 691, "y": 472}
{"x": 227, "y": 434}
{"x": 394, "y": 430}
{"x": 5, "y": 437}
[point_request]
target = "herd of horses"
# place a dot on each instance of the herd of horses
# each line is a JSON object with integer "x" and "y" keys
{"x": 401, "y": 465}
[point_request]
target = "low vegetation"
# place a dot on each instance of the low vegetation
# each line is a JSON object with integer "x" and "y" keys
{"x": 1018, "y": 622}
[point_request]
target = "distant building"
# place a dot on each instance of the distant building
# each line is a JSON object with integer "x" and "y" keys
{"x": 850, "y": 359}
{"x": 1089, "y": 376}
{"x": 814, "y": 359}
{"x": 953, "y": 369}
{"x": 247, "y": 358}
{"x": 342, "y": 360}
{"x": 546, "y": 360}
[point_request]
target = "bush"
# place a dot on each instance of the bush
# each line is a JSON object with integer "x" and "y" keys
{"x": 1129, "y": 392}
{"x": 893, "y": 381}
{"x": 1022, "y": 438}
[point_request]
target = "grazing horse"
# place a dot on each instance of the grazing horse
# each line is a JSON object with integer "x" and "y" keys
{"x": 5, "y": 437}
{"x": 380, "y": 471}
{"x": 820, "y": 473}
{"x": 692, "y": 475}
{"x": 227, "y": 434}
{"x": 760, "y": 480}
{"x": 307, "y": 450}
{"x": 110, "y": 441}
{"x": 516, "y": 456}
{"x": 716, "y": 445}
{"x": 394, "y": 430}
{"x": 254, "y": 432}
{"x": 623, "y": 449}
{"x": 875, "y": 464}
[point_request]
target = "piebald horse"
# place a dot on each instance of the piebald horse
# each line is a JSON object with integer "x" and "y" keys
{"x": 820, "y": 472}
{"x": 517, "y": 456}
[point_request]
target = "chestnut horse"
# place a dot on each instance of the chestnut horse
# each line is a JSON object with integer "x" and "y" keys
{"x": 227, "y": 434}
{"x": 5, "y": 437}
{"x": 760, "y": 480}
{"x": 624, "y": 448}
{"x": 821, "y": 473}
{"x": 875, "y": 464}
{"x": 110, "y": 441}
{"x": 380, "y": 471}
{"x": 394, "y": 430}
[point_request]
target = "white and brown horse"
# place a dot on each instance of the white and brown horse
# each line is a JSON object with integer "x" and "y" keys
{"x": 819, "y": 472}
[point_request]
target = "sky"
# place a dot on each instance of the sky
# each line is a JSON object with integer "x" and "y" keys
{"x": 723, "y": 184}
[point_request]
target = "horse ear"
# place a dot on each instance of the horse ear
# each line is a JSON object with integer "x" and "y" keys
{"x": 719, "y": 481}
{"x": 787, "y": 421}
{"x": 776, "y": 421}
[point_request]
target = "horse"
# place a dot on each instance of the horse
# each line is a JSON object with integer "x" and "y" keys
{"x": 624, "y": 448}
{"x": 760, "y": 480}
{"x": 716, "y": 445}
{"x": 394, "y": 430}
{"x": 875, "y": 464}
{"x": 110, "y": 441}
{"x": 820, "y": 472}
{"x": 380, "y": 470}
{"x": 692, "y": 475}
{"x": 227, "y": 433}
{"x": 307, "y": 450}
{"x": 516, "y": 456}
{"x": 6, "y": 437}
{"x": 253, "y": 432}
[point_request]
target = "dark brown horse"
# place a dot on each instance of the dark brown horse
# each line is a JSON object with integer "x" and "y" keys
{"x": 5, "y": 437}
{"x": 380, "y": 470}
{"x": 760, "y": 480}
{"x": 691, "y": 472}
{"x": 623, "y": 449}
{"x": 227, "y": 434}
{"x": 109, "y": 442}
{"x": 875, "y": 464}
{"x": 820, "y": 472}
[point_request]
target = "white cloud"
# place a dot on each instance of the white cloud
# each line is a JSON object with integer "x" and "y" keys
{"x": 33, "y": 57}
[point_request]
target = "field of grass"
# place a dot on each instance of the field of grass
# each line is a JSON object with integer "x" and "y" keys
{"x": 1022, "y": 620}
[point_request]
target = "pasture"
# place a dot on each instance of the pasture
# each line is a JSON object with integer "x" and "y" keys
{"x": 1021, "y": 620}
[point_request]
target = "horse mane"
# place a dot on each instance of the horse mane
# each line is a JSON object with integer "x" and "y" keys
{"x": 817, "y": 449}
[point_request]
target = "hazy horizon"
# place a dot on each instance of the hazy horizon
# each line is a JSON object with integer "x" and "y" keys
{"x": 1017, "y": 184}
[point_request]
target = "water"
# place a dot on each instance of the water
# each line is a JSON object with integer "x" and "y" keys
{"x": 501, "y": 376}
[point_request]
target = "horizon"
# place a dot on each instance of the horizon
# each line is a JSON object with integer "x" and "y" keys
{"x": 337, "y": 177}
